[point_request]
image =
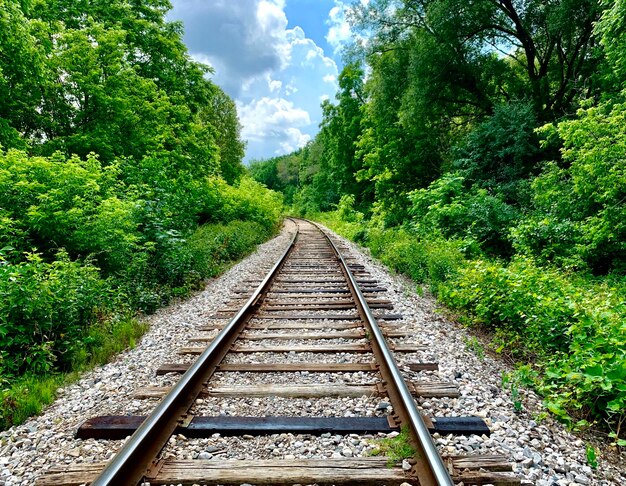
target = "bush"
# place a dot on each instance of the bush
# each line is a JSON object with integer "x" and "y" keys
{"x": 501, "y": 152}
{"x": 580, "y": 209}
{"x": 571, "y": 329}
{"x": 47, "y": 309}
{"x": 60, "y": 202}
{"x": 247, "y": 201}
{"x": 530, "y": 308}
{"x": 447, "y": 208}
{"x": 213, "y": 246}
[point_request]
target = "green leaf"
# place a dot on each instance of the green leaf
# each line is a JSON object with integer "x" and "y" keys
{"x": 595, "y": 371}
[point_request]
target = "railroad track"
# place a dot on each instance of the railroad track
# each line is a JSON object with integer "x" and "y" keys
{"x": 314, "y": 315}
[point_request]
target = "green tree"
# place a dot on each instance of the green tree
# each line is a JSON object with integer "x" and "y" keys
{"x": 340, "y": 130}
{"x": 612, "y": 31}
{"x": 398, "y": 154}
{"x": 476, "y": 53}
{"x": 22, "y": 73}
{"x": 221, "y": 114}
{"x": 502, "y": 153}
{"x": 580, "y": 207}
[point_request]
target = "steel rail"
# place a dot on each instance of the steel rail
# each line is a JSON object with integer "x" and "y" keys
{"x": 435, "y": 472}
{"x": 135, "y": 459}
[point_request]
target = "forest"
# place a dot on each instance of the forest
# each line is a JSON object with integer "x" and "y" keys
{"x": 121, "y": 185}
{"x": 480, "y": 148}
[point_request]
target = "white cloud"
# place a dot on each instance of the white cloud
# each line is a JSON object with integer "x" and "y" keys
{"x": 339, "y": 32}
{"x": 275, "y": 85}
{"x": 267, "y": 115}
{"x": 276, "y": 75}
{"x": 295, "y": 140}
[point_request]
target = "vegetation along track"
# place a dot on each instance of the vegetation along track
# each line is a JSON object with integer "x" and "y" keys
{"x": 315, "y": 328}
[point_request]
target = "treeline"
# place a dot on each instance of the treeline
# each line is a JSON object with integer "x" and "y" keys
{"x": 484, "y": 153}
{"x": 121, "y": 182}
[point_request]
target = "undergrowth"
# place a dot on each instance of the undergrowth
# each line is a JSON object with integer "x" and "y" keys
{"x": 62, "y": 318}
{"x": 566, "y": 330}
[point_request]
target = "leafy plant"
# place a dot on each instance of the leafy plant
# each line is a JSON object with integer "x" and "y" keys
{"x": 474, "y": 345}
{"x": 592, "y": 458}
{"x": 395, "y": 448}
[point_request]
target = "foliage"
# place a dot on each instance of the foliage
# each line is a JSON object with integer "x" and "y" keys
{"x": 580, "y": 206}
{"x": 501, "y": 153}
{"x": 448, "y": 209}
{"x": 612, "y": 31}
{"x": 47, "y": 309}
{"x": 249, "y": 201}
{"x": 214, "y": 246}
{"x": 26, "y": 395}
{"x": 70, "y": 203}
{"x": 570, "y": 327}
{"x": 476, "y": 54}
{"x": 592, "y": 458}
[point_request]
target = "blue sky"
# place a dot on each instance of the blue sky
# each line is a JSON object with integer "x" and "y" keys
{"x": 277, "y": 58}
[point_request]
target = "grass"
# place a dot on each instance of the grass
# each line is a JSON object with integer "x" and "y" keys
{"x": 395, "y": 448}
{"x": 27, "y": 395}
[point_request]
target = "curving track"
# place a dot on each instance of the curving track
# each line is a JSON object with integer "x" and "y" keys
{"x": 314, "y": 314}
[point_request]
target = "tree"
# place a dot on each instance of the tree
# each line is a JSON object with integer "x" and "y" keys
{"x": 485, "y": 51}
{"x": 22, "y": 73}
{"x": 612, "y": 31}
{"x": 398, "y": 153}
{"x": 340, "y": 130}
{"x": 221, "y": 114}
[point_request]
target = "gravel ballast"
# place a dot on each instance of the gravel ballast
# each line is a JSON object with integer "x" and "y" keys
{"x": 542, "y": 451}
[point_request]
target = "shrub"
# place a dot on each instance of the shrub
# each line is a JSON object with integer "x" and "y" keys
{"x": 57, "y": 202}
{"x": 580, "y": 208}
{"x": 213, "y": 246}
{"x": 447, "y": 208}
{"x": 47, "y": 308}
{"x": 501, "y": 152}
{"x": 571, "y": 329}
{"x": 247, "y": 201}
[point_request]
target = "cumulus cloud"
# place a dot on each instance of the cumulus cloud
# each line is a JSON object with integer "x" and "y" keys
{"x": 339, "y": 31}
{"x": 276, "y": 75}
{"x": 267, "y": 115}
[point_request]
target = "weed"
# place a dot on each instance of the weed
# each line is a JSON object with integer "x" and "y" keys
{"x": 395, "y": 448}
{"x": 592, "y": 458}
{"x": 511, "y": 382}
{"x": 474, "y": 345}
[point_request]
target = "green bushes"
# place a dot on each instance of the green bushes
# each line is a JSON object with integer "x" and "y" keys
{"x": 425, "y": 261}
{"x": 83, "y": 246}
{"x": 579, "y": 217}
{"x": 213, "y": 246}
{"x": 47, "y": 309}
{"x": 448, "y": 208}
{"x": 569, "y": 327}
{"x": 60, "y": 202}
